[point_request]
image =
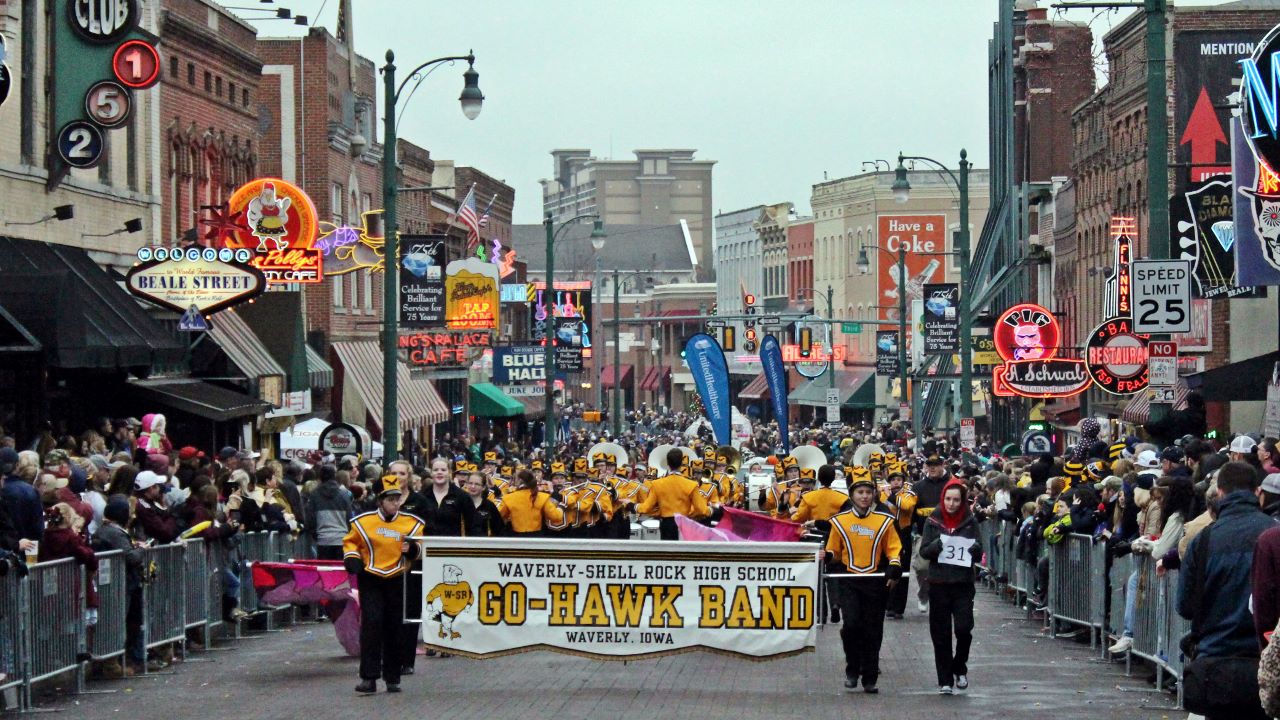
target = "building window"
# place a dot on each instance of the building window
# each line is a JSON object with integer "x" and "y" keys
{"x": 245, "y": 94}
{"x": 231, "y": 92}
{"x": 335, "y": 210}
{"x": 191, "y": 73}
{"x": 218, "y": 85}
{"x": 27, "y": 103}
{"x": 173, "y": 66}
{"x": 208, "y": 81}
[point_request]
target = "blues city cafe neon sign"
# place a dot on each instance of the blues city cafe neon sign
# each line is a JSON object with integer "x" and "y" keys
{"x": 1027, "y": 338}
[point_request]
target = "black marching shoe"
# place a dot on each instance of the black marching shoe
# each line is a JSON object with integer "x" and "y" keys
{"x": 834, "y": 618}
{"x": 406, "y": 670}
{"x": 850, "y": 683}
{"x": 869, "y": 687}
{"x": 393, "y": 687}
{"x": 367, "y": 687}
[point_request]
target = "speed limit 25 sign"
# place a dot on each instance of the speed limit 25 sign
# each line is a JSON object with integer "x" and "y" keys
{"x": 1161, "y": 296}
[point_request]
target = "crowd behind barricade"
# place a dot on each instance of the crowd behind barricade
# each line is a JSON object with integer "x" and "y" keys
{"x": 1199, "y": 514}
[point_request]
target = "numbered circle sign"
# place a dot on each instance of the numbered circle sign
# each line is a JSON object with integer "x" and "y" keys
{"x": 102, "y": 21}
{"x": 108, "y": 103}
{"x": 80, "y": 144}
{"x": 137, "y": 64}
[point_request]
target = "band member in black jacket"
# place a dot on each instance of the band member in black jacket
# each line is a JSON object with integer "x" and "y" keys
{"x": 950, "y": 543}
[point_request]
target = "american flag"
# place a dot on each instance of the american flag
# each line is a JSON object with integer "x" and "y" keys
{"x": 467, "y": 214}
{"x": 484, "y": 217}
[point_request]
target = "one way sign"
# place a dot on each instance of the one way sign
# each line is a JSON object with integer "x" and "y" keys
{"x": 1161, "y": 296}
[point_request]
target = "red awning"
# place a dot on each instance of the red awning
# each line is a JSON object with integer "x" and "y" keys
{"x": 1064, "y": 412}
{"x": 656, "y": 378}
{"x": 1138, "y": 410}
{"x": 609, "y": 377}
{"x": 757, "y": 389}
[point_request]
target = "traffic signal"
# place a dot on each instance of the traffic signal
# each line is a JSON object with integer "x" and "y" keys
{"x": 750, "y": 344}
{"x": 728, "y": 339}
{"x": 806, "y": 342}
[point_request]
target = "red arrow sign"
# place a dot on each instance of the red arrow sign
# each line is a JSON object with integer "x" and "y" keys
{"x": 1203, "y": 131}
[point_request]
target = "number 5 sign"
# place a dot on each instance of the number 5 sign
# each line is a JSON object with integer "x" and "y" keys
{"x": 1161, "y": 296}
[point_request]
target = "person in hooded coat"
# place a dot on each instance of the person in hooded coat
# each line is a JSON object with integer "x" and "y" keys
{"x": 952, "y": 546}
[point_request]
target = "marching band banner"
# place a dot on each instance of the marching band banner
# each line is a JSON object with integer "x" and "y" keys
{"x": 618, "y": 600}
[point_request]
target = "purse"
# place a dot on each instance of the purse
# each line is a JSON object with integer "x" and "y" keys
{"x": 1269, "y": 677}
{"x": 1214, "y": 685}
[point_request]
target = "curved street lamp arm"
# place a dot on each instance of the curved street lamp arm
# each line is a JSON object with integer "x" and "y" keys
{"x": 933, "y": 162}
{"x": 471, "y": 59}
{"x": 555, "y": 236}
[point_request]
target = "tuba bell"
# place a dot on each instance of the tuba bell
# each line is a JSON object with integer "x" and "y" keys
{"x": 809, "y": 457}
{"x": 658, "y": 458}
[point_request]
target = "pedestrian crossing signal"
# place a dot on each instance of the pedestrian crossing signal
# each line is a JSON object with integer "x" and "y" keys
{"x": 728, "y": 339}
{"x": 806, "y": 342}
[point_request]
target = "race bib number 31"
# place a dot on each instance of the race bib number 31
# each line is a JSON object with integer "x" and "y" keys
{"x": 956, "y": 551}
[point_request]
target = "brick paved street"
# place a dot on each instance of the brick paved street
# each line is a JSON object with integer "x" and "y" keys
{"x": 301, "y": 673}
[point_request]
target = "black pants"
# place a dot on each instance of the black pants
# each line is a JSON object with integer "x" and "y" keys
{"x": 951, "y": 607}
{"x": 328, "y": 552}
{"x": 412, "y": 611}
{"x": 862, "y": 603}
{"x": 898, "y": 595}
{"x": 667, "y": 529}
{"x": 381, "y": 627}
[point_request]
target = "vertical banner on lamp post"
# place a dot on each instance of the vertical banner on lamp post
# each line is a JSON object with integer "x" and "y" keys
{"x": 941, "y": 318}
{"x": 711, "y": 377}
{"x": 422, "y": 302}
{"x": 775, "y": 374}
{"x": 887, "y": 353}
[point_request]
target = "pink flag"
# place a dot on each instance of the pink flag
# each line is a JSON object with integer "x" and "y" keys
{"x": 759, "y": 528}
{"x": 694, "y": 530}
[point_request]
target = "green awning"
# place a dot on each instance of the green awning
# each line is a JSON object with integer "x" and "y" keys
{"x": 857, "y": 390}
{"x": 487, "y": 400}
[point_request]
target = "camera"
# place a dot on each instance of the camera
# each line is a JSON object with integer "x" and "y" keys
{"x": 10, "y": 561}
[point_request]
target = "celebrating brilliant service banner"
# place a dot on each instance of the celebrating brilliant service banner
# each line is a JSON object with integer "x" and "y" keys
{"x": 617, "y": 600}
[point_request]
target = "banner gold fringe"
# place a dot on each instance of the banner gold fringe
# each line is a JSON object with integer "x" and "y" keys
{"x": 617, "y": 658}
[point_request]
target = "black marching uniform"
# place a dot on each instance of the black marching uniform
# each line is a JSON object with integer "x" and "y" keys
{"x": 444, "y": 518}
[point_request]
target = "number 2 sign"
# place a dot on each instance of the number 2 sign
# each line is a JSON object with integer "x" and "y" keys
{"x": 137, "y": 64}
{"x": 80, "y": 144}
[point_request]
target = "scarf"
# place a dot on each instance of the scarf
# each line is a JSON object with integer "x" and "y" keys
{"x": 951, "y": 521}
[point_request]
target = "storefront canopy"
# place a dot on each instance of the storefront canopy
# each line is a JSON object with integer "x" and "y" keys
{"x": 246, "y": 351}
{"x": 1138, "y": 409}
{"x": 1239, "y": 381}
{"x": 200, "y": 398}
{"x": 855, "y": 386}
{"x": 319, "y": 371}
{"x": 488, "y": 400}
{"x": 757, "y": 389}
{"x": 417, "y": 400}
{"x": 609, "y": 378}
{"x": 656, "y": 378}
{"x": 78, "y": 312}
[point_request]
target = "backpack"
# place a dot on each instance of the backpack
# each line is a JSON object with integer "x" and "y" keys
{"x": 1269, "y": 677}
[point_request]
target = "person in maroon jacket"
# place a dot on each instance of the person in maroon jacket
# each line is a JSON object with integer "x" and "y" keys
{"x": 1266, "y": 583}
{"x": 62, "y": 539}
{"x": 150, "y": 515}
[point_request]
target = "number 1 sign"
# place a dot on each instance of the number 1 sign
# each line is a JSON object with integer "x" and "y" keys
{"x": 137, "y": 64}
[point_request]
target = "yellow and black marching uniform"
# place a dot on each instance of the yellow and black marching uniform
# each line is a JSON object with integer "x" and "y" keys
{"x": 588, "y": 505}
{"x": 373, "y": 549}
{"x": 902, "y": 503}
{"x": 819, "y": 506}
{"x": 530, "y": 514}
{"x": 672, "y": 495}
{"x": 863, "y": 542}
{"x": 629, "y": 493}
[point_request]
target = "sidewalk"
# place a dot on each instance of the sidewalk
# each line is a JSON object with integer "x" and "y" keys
{"x": 301, "y": 673}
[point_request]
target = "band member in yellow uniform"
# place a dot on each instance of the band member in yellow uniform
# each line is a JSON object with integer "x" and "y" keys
{"x": 377, "y": 550}
{"x": 588, "y": 505}
{"x": 900, "y": 499}
{"x": 726, "y": 479}
{"x": 630, "y": 492}
{"x": 863, "y": 541}
{"x": 815, "y": 510}
{"x": 782, "y": 496}
{"x": 673, "y": 494}
{"x": 528, "y": 510}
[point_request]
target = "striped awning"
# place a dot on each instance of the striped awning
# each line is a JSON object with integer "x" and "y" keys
{"x": 417, "y": 400}
{"x": 242, "y": 346}
{"x": 655, "y": 378}
{"x": 1138, "y": 409}
{"x": 319, "y": 372}
{"x": 757, "y": 389}
{"x": 609, "y": 376}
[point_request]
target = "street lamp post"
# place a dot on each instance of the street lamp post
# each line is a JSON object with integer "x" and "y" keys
{"x": 472, "y": 100}
{"x": 550, "y": 426}
{"x": 902, "y": 192}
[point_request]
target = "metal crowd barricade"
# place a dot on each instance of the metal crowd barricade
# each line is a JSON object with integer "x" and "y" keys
{"x": 55, "y": 630}
{"x": 215, "y": 563}
{"x": 1146, "y": 624}
{"x": 1174, "y": 628}
{"x": 13, "y": 652}
{"x": 256, "y": 547}
{"x": 1076, "y": 592}
{"x": 109, "y": 640}
{"x": 1121, "y": 567}
{"x": 196, "y": 580}
{"x": 164, "y": 595}
{"x": 986, "y": 537}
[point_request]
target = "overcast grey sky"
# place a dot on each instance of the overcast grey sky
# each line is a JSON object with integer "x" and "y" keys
{"x": 777, "y": 93}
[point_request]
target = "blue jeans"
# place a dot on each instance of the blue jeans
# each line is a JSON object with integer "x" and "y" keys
{"x": 1130, "y": 603}
{"x": 231, "y": 581}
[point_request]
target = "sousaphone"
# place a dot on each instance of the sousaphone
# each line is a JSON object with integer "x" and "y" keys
{"x": 614, "y": 450}
{"x": 658, "y": 458}
{"x": 809, "y": 457}
{"x": 862, "y": 456}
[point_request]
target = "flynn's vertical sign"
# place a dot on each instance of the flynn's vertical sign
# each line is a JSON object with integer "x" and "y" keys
{"x": 471, "y": 295}
{"x": 1256, "y": 142}
{"x": 277, "y": 222}
{"x": 922, "y": 237}
{"x": 422, "y": 302}
{"x": 1116, "y": 355}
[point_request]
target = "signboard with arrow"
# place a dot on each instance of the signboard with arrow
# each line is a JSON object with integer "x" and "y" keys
{"x": 1206, "y": 74}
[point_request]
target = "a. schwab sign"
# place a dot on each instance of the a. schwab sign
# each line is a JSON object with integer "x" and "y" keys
{"x": 618, "y": 600}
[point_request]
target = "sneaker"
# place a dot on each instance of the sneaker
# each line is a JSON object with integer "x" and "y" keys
{"x": 393, "y": 687}
{"x": 923, "y": 606}
{"x": 870, "y": 688}
{"x": 850, "y": 683}
{"x": 367, "y": 687}
{"x": 945, "y": 690}
{"x": 1122, "y": 646}
{"x": 406, "y": 670}
{"x": 236, "y": 615}
{"x": 962, "y": 682}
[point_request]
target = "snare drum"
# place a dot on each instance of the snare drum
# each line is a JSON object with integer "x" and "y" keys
{"x": 637, "y": 532}
{"x": 649, "y": 529}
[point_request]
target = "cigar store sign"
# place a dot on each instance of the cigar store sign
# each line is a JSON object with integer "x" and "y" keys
{"x": 613, "y": 600}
